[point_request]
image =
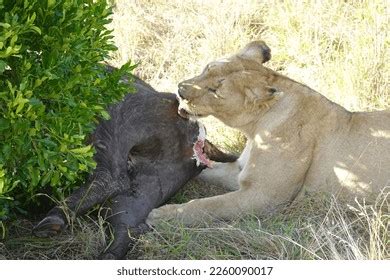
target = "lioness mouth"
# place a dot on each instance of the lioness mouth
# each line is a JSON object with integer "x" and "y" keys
{"x": 199, "y": 154}
{"x": 185, "y": 114}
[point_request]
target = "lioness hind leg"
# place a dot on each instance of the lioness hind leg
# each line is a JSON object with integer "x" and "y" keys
{"x": 226, "y": 174}
{"x": 222, "y": 175}
{"x": 221, "y": 207}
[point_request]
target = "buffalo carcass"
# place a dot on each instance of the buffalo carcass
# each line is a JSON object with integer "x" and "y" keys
{"x": 144, "y": 153}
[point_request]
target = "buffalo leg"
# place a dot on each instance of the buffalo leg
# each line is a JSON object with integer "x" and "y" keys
{"x": 129, "y": 212}
{"x": 125, "y": 223}
{"x": 78, "y": 203}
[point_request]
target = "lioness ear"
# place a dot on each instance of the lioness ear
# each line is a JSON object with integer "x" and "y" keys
{"x": 258, "y": 95}
{"x": 257, "y": 50}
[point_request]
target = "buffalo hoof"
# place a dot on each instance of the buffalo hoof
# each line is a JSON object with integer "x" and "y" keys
{"x": 49, "y": 226}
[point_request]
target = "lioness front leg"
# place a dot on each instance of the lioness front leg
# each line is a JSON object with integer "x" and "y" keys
{"x": 223, "y": 207}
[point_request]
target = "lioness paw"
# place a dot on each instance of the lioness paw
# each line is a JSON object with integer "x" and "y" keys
{"x": 163, "y": 213}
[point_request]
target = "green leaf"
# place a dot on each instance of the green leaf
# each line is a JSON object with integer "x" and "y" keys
{"x": 4, "y": 124}
{"x": 36, "y": 29}
{"x": 35, "y": 176}
{"x": 39, "y": 82}
{"x": 1, "y": 185}
{"x": 46, "y": 178}
{"x": 32, "y": 18}
{"x": 13, "y": 40}
{"x": 55, "y": 179}
{"x": 50, "y": 3}
{"x": 3, "y": 66}
{"x": 105, "y": 115}
{"x": 2, "y": 179}
{"x": 82, "y": 150}
{"x": 5, "y": 25}
{"x": 6, "y": 53}
{"x": 19, "y": 103}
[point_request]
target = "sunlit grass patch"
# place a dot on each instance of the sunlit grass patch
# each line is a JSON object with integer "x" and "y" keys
{"x": 339, "y": 48}
{"x": 314, "y": 228}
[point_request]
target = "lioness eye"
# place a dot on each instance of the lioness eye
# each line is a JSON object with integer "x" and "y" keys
{"x": 213, "y": 90}
{"x": 272, "y": 90}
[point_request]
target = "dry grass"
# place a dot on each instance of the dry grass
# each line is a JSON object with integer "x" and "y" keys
{"x": 84, "y": 240}
{"x": 314, "y": 228}
{"x": 339, "y": 48}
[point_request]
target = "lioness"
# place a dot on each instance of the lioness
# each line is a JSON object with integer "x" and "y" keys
{"x": 298, "y": 140}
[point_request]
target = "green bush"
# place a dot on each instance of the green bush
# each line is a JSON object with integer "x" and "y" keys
{"x": 53, "y": 90}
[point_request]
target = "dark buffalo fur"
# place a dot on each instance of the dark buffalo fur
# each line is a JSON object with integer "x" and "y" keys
{"x": 144, "y": 156}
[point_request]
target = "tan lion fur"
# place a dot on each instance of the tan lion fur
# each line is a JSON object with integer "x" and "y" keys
{"x": 298, "y": 140}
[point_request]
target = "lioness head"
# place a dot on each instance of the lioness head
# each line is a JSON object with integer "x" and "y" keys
{"x": 230, "y": 89}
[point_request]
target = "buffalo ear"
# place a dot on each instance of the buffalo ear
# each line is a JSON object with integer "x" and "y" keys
{"x": 257, "y": 51}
